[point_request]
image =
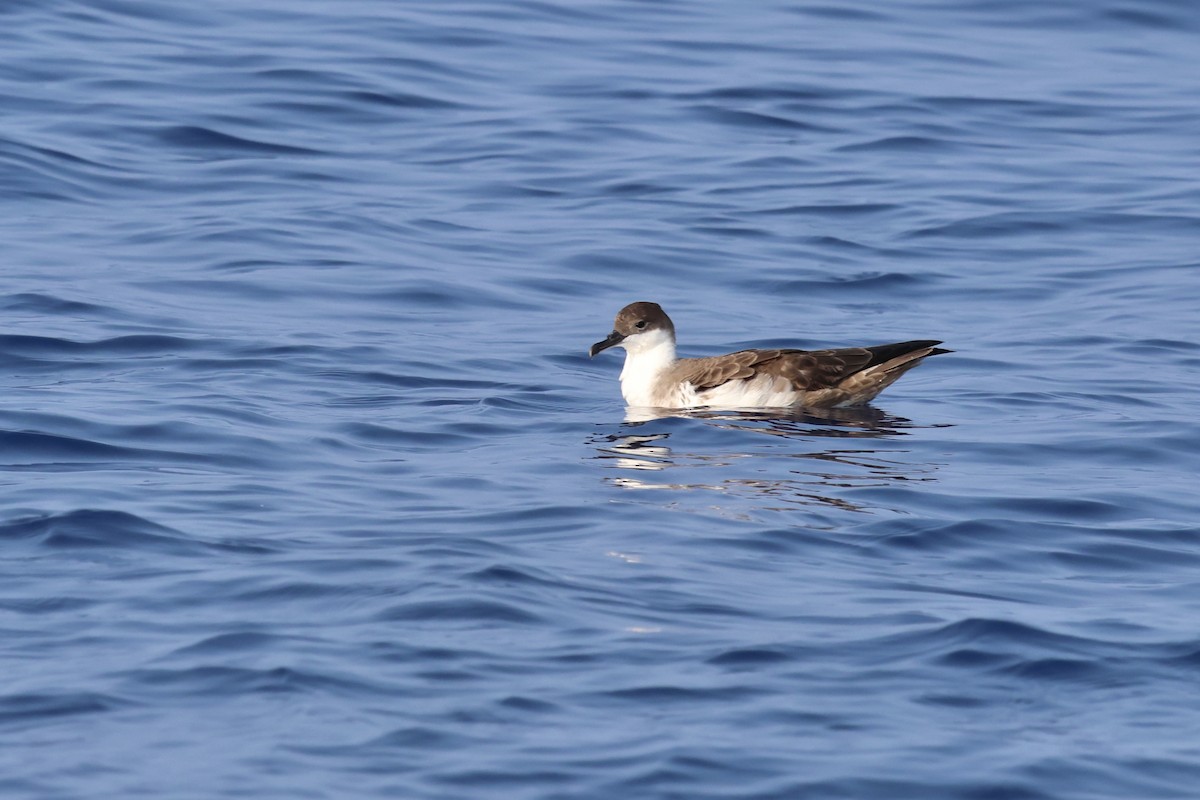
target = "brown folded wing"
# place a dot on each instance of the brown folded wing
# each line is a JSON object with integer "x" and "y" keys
{"x": 804, "y": 369}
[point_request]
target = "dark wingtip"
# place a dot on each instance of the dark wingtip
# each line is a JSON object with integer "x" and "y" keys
{"x": 883, "y": 353}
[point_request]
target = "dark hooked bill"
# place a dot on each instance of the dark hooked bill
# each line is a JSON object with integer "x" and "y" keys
{"x": 599, "y": 347}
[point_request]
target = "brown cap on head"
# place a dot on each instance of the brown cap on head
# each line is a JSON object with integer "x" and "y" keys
{"x": 633, "y": 319}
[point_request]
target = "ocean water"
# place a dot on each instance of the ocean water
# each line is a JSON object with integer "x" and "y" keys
{"x": 308, "y": 488}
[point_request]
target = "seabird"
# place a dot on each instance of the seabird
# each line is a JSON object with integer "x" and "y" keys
{"x": 654, "y": 378}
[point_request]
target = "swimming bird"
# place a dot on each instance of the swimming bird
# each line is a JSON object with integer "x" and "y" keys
{"x": 653, "y": 377}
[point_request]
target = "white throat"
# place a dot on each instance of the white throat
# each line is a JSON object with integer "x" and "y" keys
{"x": 648, "y": 356}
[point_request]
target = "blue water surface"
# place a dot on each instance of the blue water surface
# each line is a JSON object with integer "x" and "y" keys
{"x": 308, "y": 488}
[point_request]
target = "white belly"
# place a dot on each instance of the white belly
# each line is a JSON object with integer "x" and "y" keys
{"x": 763, "y": 391}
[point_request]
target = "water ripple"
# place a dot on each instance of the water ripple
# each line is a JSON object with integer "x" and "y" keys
{"x": 309, "y": 479}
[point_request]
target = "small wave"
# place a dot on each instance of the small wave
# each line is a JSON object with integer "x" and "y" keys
{"x": 100, "y": 529}
{"x": 225, "y": 682}
{"x": 505, "y": 575}
{"x": 24, "y": 709}
{"x": 863, "y": 282}
{"x": 94, "y": 528}
{"x": 901, "y": 144}
{"x": 750, "y": 657}
{"x": 834, "y": 210}
{"x": 38, "y": 172}
{"x": 1024, "y": 223}
{"x": 32, "y": 447}
{"x": 227, "y": 643}
{"x": 142, "y": 344}
{"x": 38, "y": 451}
{"x": 195, "y": 137}
{"x": 37, "y": 303}
{"x": 754, "y": 119}
{"x": 469, "y": 612}
{"x": 686, "y": 695}
{"x": 401, "y": 100}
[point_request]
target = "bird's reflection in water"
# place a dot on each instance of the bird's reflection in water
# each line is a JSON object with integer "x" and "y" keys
{"x": 807, "y": 471}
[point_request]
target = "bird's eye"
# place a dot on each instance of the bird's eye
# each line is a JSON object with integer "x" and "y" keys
{"x": 641, "y": 324}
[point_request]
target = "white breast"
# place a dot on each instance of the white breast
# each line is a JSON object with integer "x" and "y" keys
{"x": 648, "y": 357}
